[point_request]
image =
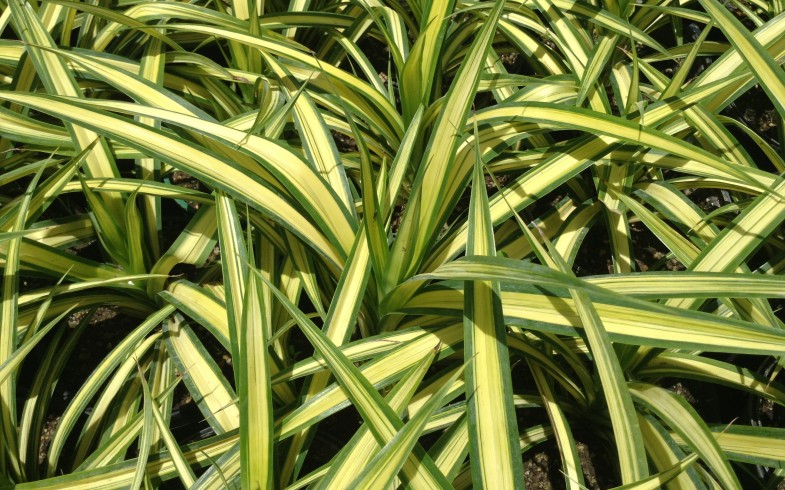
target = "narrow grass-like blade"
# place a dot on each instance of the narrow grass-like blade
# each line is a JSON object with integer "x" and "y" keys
{"x": 748, "y": 444}
{"x": 381, "y": 419}
{"x": 216, "y": 170}
{"x": 687, "y": 284}
{"x": 562, "y": 431}
{"x": 339, "y": 325}
{"x": 10, "y": 364}
{"x": 767, "y": 71}
{"x": 450, "y": 451}
{"x": 417, "y": 78}
{"x": 684, "y": 365}
{"x": 9, "y": 316}
{"x": 378, "y": 109}
{"x": 599, "y": 58}
{"x": 118, "y": 476}
{"x": 255, "y": 396}
{"x": 234, "y": 264}
{"x": 146, "y": 437}
{"x": 151, "y": 68}
{"x": 113, "y": 449}
{"x": 683, "y": 419}
{"x": 420, "y": 219}
{"x": 384, "y": 466}
{"x": 362, "y": 349}
{"x": 46, "y": 192}
{"x": 664, "y": 453}
{"x": 192, "y": 246}
{"x": 745, "y": 235}
{"x": 109, "y": 228}
{"x": 318, "y": 143}
{"x": 181, "y": 464}
{"x": 355, "y": 456}
{"x": 303, "y": 264}
{"x": 201, "y": 305}
{"x": 626, "y": 433}
{"x": 36, "y": 407}
{"x": 135, "y": 242}
{"x": 626, "y": 320}
{"x": 208, "y": 387}
{"x": 135, "y": 344}
{"x": 493, "y": 432}
{"x": 657, "y": 481}
{"x": 106, "y": 403}
{"x": 143, "y": 187}
{"x": 606, "y": 18}
{"x": 381, "y": 370}
{"x": 223, "y": 474}
{"x": 279, "y": 164}
{"x": 58, "y": 80}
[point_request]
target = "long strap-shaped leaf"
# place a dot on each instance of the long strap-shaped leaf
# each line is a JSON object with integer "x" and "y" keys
{"x": 379, "y": 371}
{"x": 493, "y": 431}
{"x": 748, "y": 444}
{"x": 9, "y": 311}
{"x": 769, "y": 36}
{"x": 294, "y": 174}
{"x": 339, "y": 324}
{"x": 214, "y": 396}
{"x": 210, "y": 312}
{"x": 565, "y": 164}
{"x": 256, "y": 409}
{"x": 683, "y": 419}
{"x": 657, "y": 481}
{"x": 345, "y": 466}
{"x": 689, "y": 284}
{"x": 420, "y": 219}
{"x": 384, "y": 466}
{"x": 382, "y": 113}
{"x": 204, "y": 307}
{"x": 120, "y": 475}
{"x": 384, "y": 423}
{"x": 664, "y": 453}
{"x": 146, "y": 437}
{"x": 629, "y": 442}
{"x": 134, "y": 342}
{"x": 152, "y": 68}
{"x": 318, "y": 144}
{"x": 213, "y": 169}
{"x": 634, "y": 132}
{"x": 762, "y": 65}
{"x": 192, "y": 246}
{"x": 58, "y": 80}
{"x": 362, "y": 349}
{"x": 234, "y": 264}
{"x": 745, "y": 289}
{"x": 562, "y": 431}
{"x": 737, "y": 242}
{"x": 418, "y": 76}
{"x": 678, "y": 364}
{"x": 626, "y": 319}
{"x": 626, "y": 433}
{"x": 45, "y": 193}
{"x": 36, "y": 408}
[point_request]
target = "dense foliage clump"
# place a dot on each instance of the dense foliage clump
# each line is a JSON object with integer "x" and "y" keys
{"x": 370, "y": 244}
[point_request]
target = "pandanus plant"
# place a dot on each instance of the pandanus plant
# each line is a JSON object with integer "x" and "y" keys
{"x": 391, "y": 203}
